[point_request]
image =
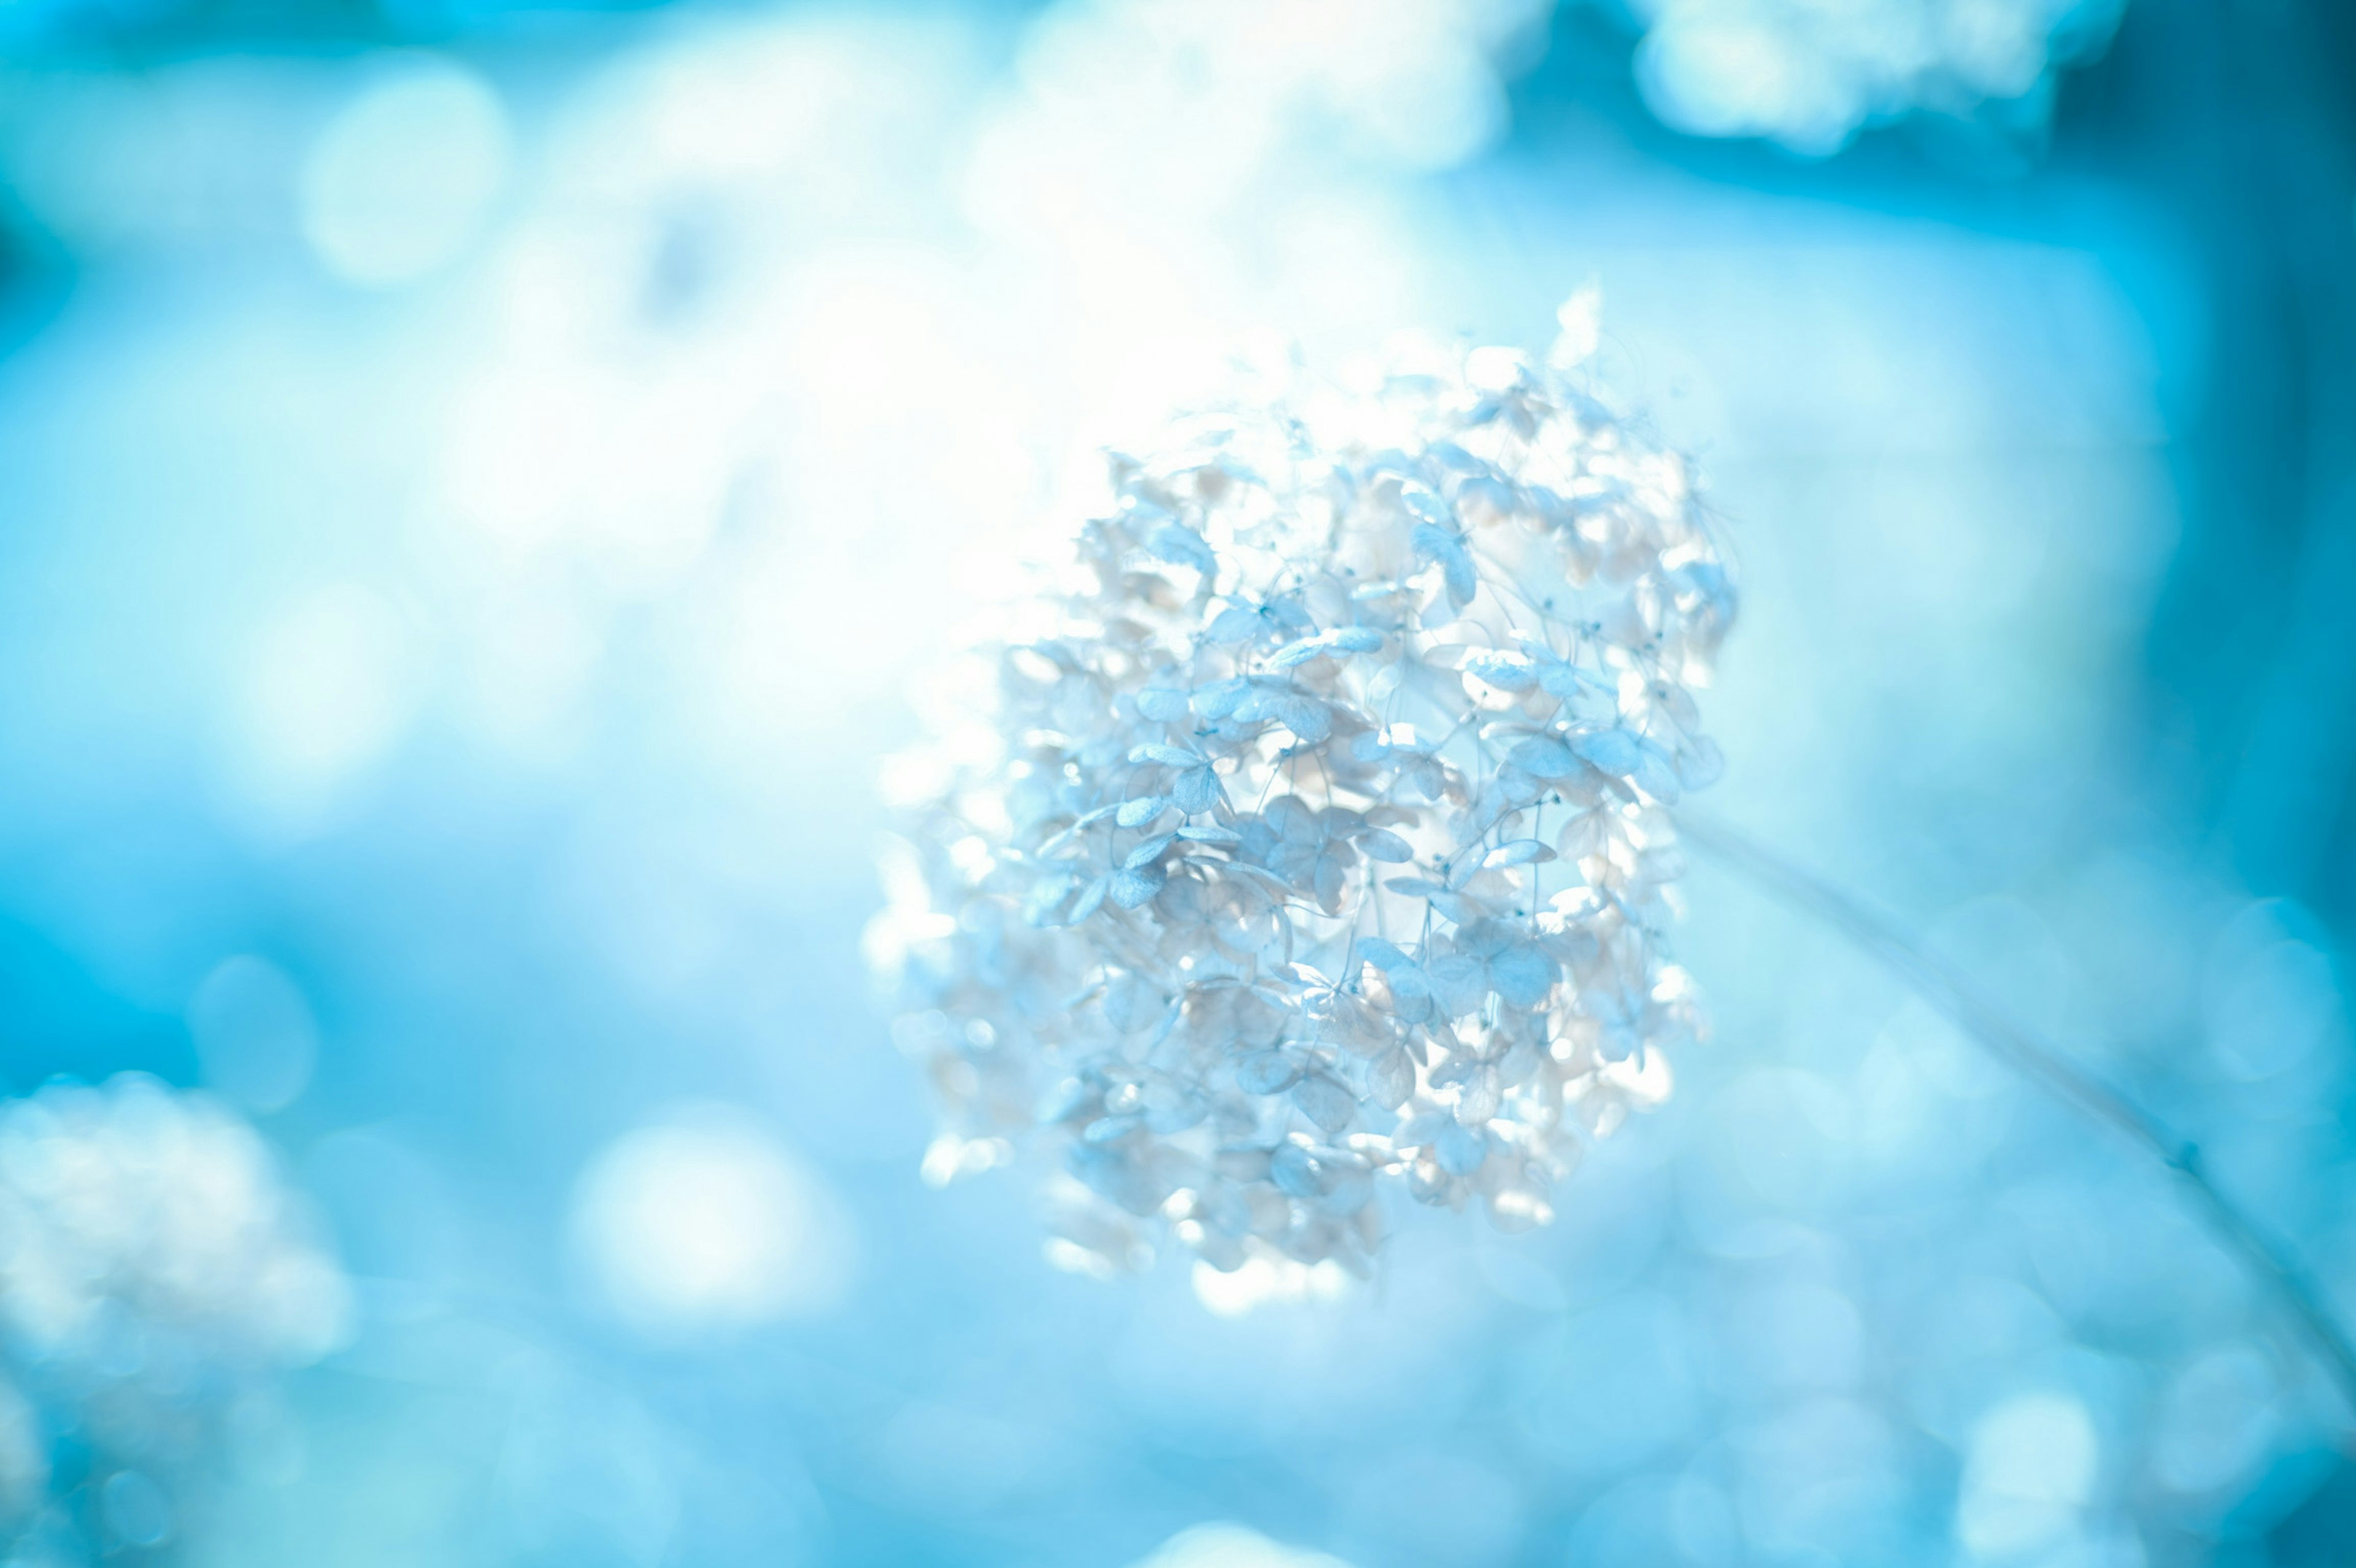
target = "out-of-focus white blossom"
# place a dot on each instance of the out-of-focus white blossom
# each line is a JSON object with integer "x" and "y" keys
{"x": 1308, "y": 833}
{"x": 154, "y": 1270}
{"x": 1810, "y": 73}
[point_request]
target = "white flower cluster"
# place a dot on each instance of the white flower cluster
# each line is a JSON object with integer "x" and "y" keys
{"x": 1312, "y": 831}
{"x": 151, "y": 1266}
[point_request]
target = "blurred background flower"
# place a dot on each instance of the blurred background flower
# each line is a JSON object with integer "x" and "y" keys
{"x": 478, "y": 480}
{"x": 1810, "y": 74}
{"x": 156, "y": 1275}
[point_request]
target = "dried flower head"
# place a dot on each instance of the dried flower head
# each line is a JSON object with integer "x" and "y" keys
{"x": 1312, "y": 831}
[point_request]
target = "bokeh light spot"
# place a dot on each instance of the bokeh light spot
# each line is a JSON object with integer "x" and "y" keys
{"x": 402, "y": 179}
{"x": 701, "y": 1222}
{"x": 255, "y": 1038}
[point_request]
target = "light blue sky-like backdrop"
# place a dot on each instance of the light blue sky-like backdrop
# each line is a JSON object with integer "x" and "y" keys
{"x": 479, "y": 486}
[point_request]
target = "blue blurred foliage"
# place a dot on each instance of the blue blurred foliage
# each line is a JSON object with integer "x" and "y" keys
{"x": 486, "y": 596}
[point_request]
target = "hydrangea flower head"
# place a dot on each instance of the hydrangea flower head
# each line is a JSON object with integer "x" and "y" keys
{"x": 1310, "y": 837}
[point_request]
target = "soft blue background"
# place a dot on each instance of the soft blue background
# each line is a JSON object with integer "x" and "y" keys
{"x": 506, "y": 652}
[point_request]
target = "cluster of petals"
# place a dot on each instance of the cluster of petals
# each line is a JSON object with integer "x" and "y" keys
{"x": 1309, "y": 833}
{"x": 153, "y": 1265}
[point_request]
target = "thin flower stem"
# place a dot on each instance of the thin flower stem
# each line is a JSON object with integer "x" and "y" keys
{"x": 2014, "y": 1044}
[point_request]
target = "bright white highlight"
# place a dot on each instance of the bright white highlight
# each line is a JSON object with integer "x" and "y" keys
{"x": 701, "y": 1222}
{"x": 1264, "y": 1281}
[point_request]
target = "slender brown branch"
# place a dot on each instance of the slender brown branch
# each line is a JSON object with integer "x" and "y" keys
{"x": 2011, "y": 1042}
